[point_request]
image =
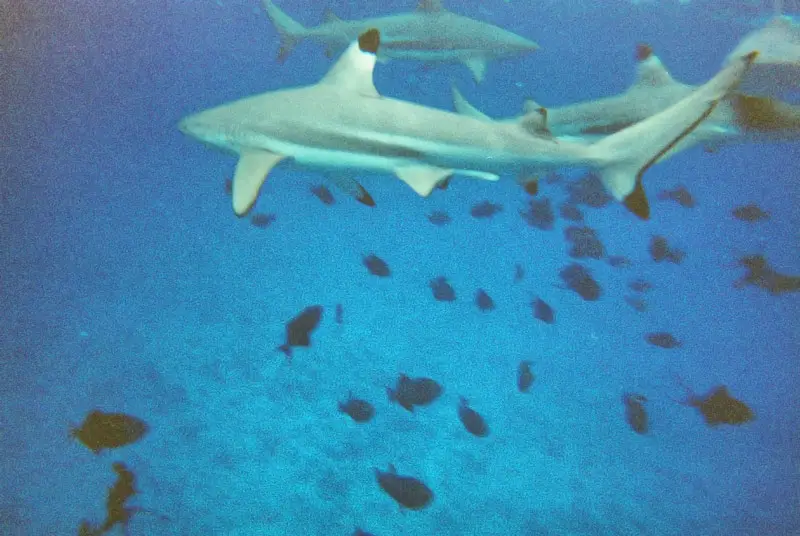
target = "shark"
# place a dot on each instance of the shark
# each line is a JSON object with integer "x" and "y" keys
{"x": 342, "y": 122}
{"x": 430, "y": 34}
{"x": 738, "y": 118}
{"x": 777, "y": 70}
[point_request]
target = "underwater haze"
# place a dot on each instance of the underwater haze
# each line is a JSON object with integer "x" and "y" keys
{"x": 481, "y": 361}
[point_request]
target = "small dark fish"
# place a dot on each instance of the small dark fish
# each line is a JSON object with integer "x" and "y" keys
{"x": 719, "y": 407}
{"x": 570, "y": 212}
{"x": 442, "y": 291}
{"x": 618, "y": 261}
{"x": 543, "y": 311}
{"x": 471, "y": 419}
{"x": 525, "y": 377}
{"x": 519, "y": 273}
{"x": 377, "y": 266}
{"x": 663, "y": 339}
{"x": 485, "y": 209}
{"x": 660, "y": 251}
{"x": 585, "y": 242}
{"x": 483, "y": 300}
{"x": 359, "y": 532}
{"x": 531, "y": 186}
{"x": 101, "y": 430}
{"x": 359, "y": 410}
{"x": 762, "y": 275}
{"x": 540, "y": 214}
{"x": 439, "y": 218}
{"x": 298, "y": 330}
{"x": 750, "y": 213}
{"x": 228, "y": 186}
{"x": 262, "y": 220}
{"x": 410, "y": 392}
{"x": 409, "y": 492}
{"x": 339, "y": 313}
{"x": 635, "y": 412}
{"x": 588, "y": 191}
{"x": 640, "y": 285}
{"x": 323, "y": 194}
{"x": 579, "y": 279}
{"x": 678, "y": 194}
{"x": 637, "y": 303}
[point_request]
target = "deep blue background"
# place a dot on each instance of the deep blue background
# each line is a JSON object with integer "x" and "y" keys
{"x": 128, "y": 284}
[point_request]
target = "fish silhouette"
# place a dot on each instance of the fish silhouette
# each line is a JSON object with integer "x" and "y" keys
{"x": 410, "y": 392}
{"x": 578, "y": 279}
{"x": 542, "y": 311}
{"x": 483, "y": 300}
{"x": 471, "y": 419}
{"x": 298, "y": 330}
{"x": 442, "y": 291}
{"x": 663, "y": 339}
{"x": 101, "y": 430}
{"x": 409, "y": 492}
{"x": 358, "y": 410}
{"x": 635, "y": 412}
{"x": 719, "y": 407}
{"x": 377, "y": 266}
{"x": 525, "y": 377}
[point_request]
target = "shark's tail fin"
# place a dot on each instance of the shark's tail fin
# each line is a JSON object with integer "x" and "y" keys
{"x": 291, "y": 32}
{"x": 623, "y": 158}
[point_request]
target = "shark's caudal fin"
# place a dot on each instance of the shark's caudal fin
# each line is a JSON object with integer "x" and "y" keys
{"x": 290, "y": 31}
{"x": 624, "y": 157}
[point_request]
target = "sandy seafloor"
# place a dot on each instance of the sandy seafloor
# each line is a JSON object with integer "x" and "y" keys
{"x": 128, "y": 285}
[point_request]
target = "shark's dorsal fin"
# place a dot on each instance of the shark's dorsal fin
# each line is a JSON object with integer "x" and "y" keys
{"x": 329, "y": 16}
{"x": 530, "y": 105}
{"x": 251, "y": 172}
{"x": 353, "y": 70}
{"x": 650, "y": 72}
{"x": 535, "y": 122}
{"x": 430, "y": 6}
{"x": 422, "y": 179}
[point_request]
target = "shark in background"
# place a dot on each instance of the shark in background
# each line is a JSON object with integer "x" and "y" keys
{"x": 342, "y": 122}
{"x": 776, "y": 73}
{"x": 738, "y": 118}
{"x": 430, "y": 34}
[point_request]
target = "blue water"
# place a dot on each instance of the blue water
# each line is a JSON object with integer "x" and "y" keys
{"x": 128, "y": 285}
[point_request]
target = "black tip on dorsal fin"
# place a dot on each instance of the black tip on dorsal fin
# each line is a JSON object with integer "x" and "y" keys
{"x": 637, "y": 202}
{"x": 643, "y": 51}
{"x": 369, "y": 41}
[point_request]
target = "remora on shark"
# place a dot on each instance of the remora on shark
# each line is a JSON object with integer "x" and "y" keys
{"x": 430, "y": 34}
{"x": 739, "y": 118}
{"x": 342, "y": 122}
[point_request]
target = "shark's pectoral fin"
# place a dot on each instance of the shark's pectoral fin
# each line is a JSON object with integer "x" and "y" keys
{"x": 251, "y": 172}
{"x": 351, "y": 187}
{"x": 423, "y": 179}
{"x": 478, "y": 68}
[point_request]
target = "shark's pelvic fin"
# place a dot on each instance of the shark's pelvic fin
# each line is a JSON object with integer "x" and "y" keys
{"x": 251, "y": 172}
{"x": 351, "y": 187}
{"x": 290, "y": 31}
{"x": 354, "y": 69}
{"x": 629, "y": 153}
{"x": 423, "y": 179}
{"x": 477, "y": 67}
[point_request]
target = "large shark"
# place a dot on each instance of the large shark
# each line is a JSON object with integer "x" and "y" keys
{"x": 342, "y": 122}
{"x": 737, "y": 118}
{"x": 777, "y": 70}
{"x": 430, "y": 34}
